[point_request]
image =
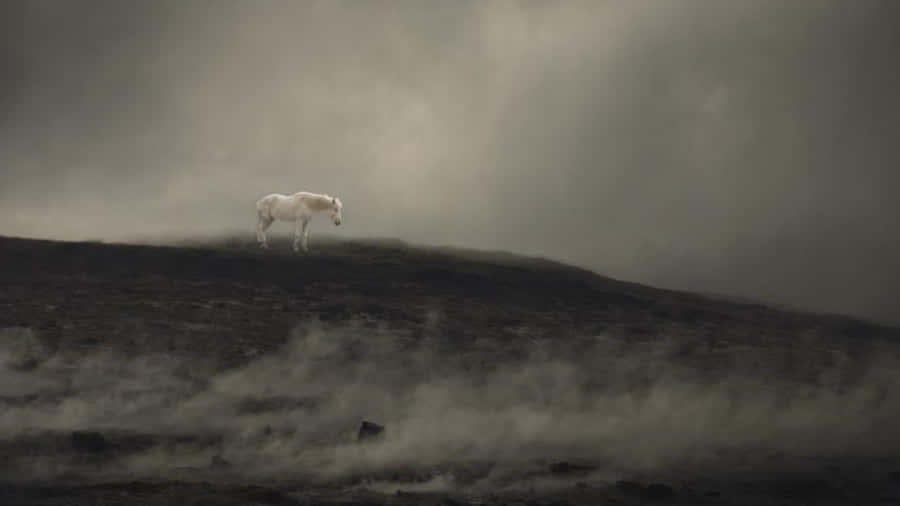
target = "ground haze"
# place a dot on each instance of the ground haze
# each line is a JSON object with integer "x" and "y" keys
{"x": 212, "y": 371}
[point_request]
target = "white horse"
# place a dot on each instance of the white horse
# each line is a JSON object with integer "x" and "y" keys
{"x": 298, "y": 208}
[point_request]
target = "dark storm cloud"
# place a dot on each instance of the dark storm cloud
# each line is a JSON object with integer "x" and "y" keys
{"x": 736, "y": 147}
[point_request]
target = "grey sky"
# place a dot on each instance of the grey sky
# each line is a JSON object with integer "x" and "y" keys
{"x": 742, "y": 147}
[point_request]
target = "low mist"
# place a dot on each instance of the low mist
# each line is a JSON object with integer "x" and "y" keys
{"x": 486, "y": 419}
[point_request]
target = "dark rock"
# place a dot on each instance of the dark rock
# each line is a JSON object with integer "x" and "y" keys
{"x": 451, "y": 501}
{"x": 569, "y": 468}
{"x": 806, "y": 489}
{"x": 552, "y": 502}
{"x": 629, "y": 487}
{"x": 277, "y": 403}
{"x": 369, "y": 430}
{"x": 652, "y": 492}
{"x": 264, "y": 495}
{"x": 331, "y": 312}
{"x": 89, "y": 442}
{"x": 26, "y": 364}
{"x": 217, "y": 462}
{"x": 659, "y": 492}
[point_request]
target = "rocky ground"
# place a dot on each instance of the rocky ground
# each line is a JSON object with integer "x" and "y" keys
{"x": 215, "y": 373}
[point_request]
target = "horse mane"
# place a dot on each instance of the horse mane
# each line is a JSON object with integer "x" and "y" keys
{"x": 318, "y": 201}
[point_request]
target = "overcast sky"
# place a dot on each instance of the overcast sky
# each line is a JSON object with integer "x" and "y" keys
{"x": 740, "y": 147}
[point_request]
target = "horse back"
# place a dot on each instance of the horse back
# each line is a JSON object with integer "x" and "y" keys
{"x": 281, "y": 207}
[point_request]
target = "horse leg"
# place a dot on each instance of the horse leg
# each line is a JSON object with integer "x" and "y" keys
{"x": 306, "y": 235}
{"x": 261, "y": 226}
{"x": 297, "y": 233}
{"x": 259, "y": 230}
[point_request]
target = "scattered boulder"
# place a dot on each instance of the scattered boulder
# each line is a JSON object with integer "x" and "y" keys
{"x": 369, "y": 431}
{"x": 451, "y": 501}
{"x": 659, "y": 492}
{"x": 651, "y": 492}
{"x": 276, "y": 403}
{"x": 263, "y": 495}
{"x": 218, "y": 463}
{"x": 569, "y": 468}
{"x": 806, "y": 489}
{"x": 89, "y": 442}
{"x": 629, "y": 487}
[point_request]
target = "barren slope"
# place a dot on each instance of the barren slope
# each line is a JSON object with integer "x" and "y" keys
{"x": 158, "y": 368}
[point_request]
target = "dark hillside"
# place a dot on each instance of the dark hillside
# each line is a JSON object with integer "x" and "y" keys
{"x": 216, "y": 373}
{"x": 230, "y": 292}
